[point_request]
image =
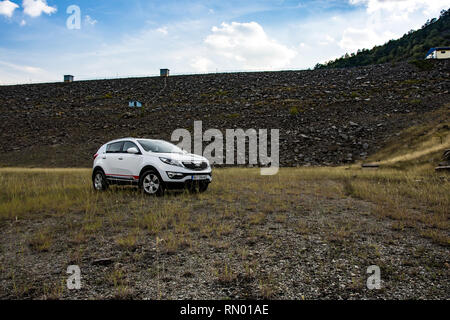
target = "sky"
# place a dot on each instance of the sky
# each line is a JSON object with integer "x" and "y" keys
{"x": 41, "y": 40}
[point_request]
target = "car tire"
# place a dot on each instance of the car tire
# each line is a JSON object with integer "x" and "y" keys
{"x": 99, "y": 181}
{"x": 191, "y": 186}
{"x": 151, "y": 183}
{"x": 203, "y": 186}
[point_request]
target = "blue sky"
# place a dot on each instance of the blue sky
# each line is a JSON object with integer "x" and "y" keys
{"x": 137, "y": 37}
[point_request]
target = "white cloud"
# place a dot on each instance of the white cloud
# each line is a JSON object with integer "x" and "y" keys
{"x": 89, "y": 21}
{"x": 201, "y": 64}
{"x": 23, "y": 23}
{"x": 246, "y": 46}
{"x": 14, "y": 73}
{"x": 22, "y": 68}
{"x": 34, "y": 8}
{"x": 7, "y": 8}
{"x": 327, "y": 40}
{"x": 162, "y": 30}
{"x": 388, "y": 19}
{"x": 354, "y": 39}
{"x": 402, "y": 8}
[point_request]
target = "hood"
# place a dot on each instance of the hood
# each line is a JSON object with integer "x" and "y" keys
{"x": 181, "y": 157}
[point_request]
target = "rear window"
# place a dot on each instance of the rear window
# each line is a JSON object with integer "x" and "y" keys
{"x": 114, "y": 147}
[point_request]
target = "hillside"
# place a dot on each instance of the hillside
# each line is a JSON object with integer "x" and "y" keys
{"x": 325, "y": 117}
{"x": 412, "y": 46}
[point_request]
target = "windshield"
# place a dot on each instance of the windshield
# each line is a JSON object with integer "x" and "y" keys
{"x": 159, "y": 146}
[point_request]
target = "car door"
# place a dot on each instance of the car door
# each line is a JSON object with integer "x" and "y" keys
{"x": 130, "y": 162}
{"x": 112, "y": 158}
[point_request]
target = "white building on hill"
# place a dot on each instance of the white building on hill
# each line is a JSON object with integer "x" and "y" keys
{"x": 438, "y": 53}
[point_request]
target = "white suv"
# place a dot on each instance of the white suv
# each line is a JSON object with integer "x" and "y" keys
{"x": 154, "y": 165}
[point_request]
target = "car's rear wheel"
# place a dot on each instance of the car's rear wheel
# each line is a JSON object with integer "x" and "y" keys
{"x": 99, "y": 181}
{"x": 151, "y": 183}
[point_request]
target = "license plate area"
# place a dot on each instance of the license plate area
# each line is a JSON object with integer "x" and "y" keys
{"x": 200, "y": 177}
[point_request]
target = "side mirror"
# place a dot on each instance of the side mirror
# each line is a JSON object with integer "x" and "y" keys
{"x": 133, "y": 150}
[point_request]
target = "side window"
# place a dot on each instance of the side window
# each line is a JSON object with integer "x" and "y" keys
{"x": 127, "y": 145}
{"x": 114, "y": 147}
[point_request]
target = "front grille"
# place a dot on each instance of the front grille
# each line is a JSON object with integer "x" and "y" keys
{"x": 196, "y": 165}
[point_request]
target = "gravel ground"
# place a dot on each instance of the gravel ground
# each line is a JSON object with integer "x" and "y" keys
{"x": 318, "y": 246}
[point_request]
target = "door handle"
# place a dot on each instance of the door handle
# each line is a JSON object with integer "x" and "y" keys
{"x": 121, "y": 158}
{"x": 104, "y": 157}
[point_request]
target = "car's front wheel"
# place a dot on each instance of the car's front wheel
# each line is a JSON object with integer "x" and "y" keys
{"x": 197, "y": 186}
{"x": 99, "y": 180}
{"x": 203, "y": 186}
{"x": 151, "y": 183}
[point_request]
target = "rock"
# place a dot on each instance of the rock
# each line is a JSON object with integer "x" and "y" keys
{"x": 444, "y": 165}
{"x": 328, "y": 126}
{"x": 103, "y": 261}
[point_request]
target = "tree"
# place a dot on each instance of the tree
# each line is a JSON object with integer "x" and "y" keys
{"x": 413, "y": 45}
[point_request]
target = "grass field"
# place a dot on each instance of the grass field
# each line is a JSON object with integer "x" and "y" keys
{"x": 303, "y": 233}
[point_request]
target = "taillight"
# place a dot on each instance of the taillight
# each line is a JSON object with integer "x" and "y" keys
{"x": 95, "y": 155}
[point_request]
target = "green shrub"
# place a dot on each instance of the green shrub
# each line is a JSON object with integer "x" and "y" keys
{"x": 233, "y": 115}
{"x": 422, "y": 65}
{"x": 293, "y": 111}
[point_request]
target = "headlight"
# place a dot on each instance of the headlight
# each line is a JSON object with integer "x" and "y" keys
{"x": 172, "y": 162}
{"x": 175, "y": 175}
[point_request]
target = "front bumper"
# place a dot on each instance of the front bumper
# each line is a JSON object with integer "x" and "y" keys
{"x": 182, "y": 177}
{"x": 185, "y": 179}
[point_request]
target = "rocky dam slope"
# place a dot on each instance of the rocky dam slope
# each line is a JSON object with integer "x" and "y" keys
{"x": 325, "y": 117}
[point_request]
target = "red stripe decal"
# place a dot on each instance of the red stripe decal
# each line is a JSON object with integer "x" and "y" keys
{"x": 123, "y": 175}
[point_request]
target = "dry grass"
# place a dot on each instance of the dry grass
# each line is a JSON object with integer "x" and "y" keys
{"x": 226, "y": 274}
{"x": 417, "y": 197}
{"x": 33, "y": 191}
{"x": 128, "y": 241}
{"x": 418, "y": 145}
{"x": 239, "y": 204}
{"x": 41, "y": 241}
{"x": 268, "y": 287}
